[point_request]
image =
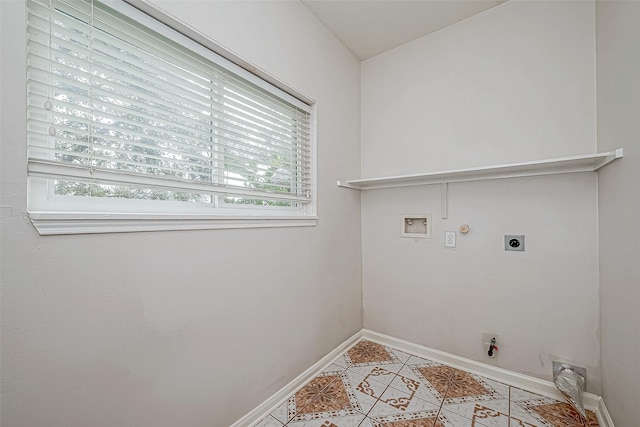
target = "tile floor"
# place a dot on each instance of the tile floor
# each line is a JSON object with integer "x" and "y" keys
{"x": 371, "y": 385}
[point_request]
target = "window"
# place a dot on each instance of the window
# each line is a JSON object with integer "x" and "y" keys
{"x": 134, "y": 126}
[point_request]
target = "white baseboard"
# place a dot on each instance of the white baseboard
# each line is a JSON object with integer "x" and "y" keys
{"x": 536, "y": 385}
{"x": 273, "y": 402}
{"x": 604, "y": 419}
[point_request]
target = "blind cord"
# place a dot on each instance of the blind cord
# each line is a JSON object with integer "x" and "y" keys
{"x": 48, "y": 104}
{"x": 90, "y": 141}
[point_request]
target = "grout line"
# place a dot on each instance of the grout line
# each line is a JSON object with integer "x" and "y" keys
{"x": 510, "y": 404}
{"x": 445, "y": 393}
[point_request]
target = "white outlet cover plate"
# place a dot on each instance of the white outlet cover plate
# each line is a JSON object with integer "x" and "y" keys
{"x": 449, "y": 239}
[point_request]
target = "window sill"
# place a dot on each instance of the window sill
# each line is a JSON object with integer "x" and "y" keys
{"x": 48, "y": 223}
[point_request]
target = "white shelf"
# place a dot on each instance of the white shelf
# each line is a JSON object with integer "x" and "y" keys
{"x": 561, "y": 165}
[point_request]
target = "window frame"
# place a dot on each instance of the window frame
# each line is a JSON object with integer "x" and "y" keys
{"x": 58, "y": 214}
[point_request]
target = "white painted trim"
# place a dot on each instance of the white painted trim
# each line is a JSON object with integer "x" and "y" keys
{"x": 604, "y": 419}
{"x": 56, "y": 224}
{"x": 181, "y": 26}
{"x": 47, "y": 169}
{"x": 535, "y": 385}
{"x": 272, "y": 403}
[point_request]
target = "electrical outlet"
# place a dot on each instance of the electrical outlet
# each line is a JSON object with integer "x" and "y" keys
{"x": 514, "y": 242}
{"x": 450, "y": 239}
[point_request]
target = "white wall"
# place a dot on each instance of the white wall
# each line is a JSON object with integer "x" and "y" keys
{"x": 618, "y": 32}
{"x": 512, "y": 84}
{"x": 182, "y": 328}
{"x": 515, "y": 83}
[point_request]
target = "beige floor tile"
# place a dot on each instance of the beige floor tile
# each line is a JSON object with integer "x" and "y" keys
{"x": 396, "y": 402}
{"x": 366, "y": 353}
{"x": 340, "y": 398}
{"x": 269, "y": 422}
{"x": 411, "y": 419}
{"x": 484, "y": 414}
{"x": 550, "y": 412}
{"x": 480, "y": 419}
{"x": 337, "y": 421}
{"x": 412, "y": 378}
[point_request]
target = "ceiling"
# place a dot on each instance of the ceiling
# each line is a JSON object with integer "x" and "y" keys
{"x": 370, "y": 27}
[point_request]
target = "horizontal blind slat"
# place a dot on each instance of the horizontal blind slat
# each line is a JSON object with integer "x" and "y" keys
{"x": 88, "y": 161}
{"x": 195, "y": 106}
{"x": 256, "y": 130}
{"x": 153, "y": 112}
{"x": 90, "y": 155}
{"x": 240, "y": 88}
{"x": 254, "y": 151}
{"x": 91, "y": 151}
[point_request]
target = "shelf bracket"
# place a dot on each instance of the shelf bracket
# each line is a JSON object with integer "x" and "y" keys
{"x": 616, "y": 154}
{"x": 444, "y": 200}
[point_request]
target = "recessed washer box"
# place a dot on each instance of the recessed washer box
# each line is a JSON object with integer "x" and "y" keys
{"x": 416, "y": 225}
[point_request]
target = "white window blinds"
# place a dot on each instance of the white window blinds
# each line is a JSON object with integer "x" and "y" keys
{"x": 118, "y": 108}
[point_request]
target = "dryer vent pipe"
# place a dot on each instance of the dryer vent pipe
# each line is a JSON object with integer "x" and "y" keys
{"x": 571, "y": 381}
